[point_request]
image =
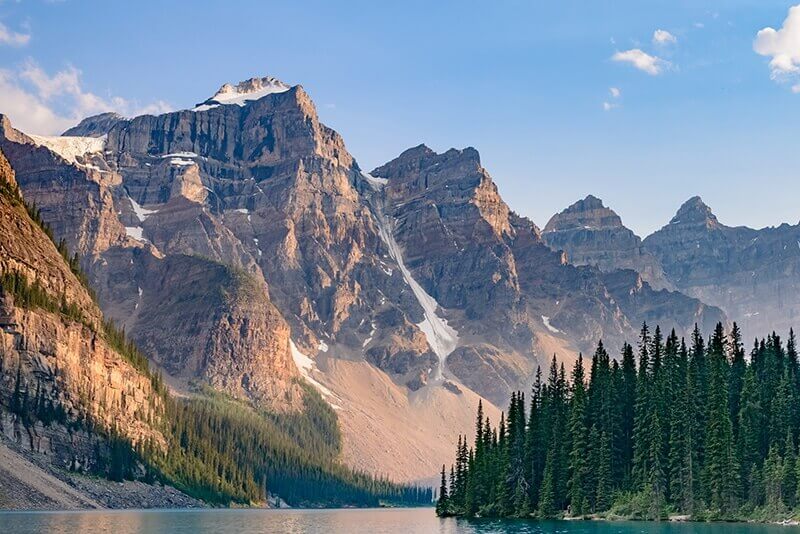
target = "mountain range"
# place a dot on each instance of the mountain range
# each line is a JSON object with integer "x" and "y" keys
{"x": 243, "y": 249}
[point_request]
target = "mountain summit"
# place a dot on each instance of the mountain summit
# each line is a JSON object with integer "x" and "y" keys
{"x": 243, "y": 92}
{"x": 694, "y": 211}
{"x": 593, "y": 234}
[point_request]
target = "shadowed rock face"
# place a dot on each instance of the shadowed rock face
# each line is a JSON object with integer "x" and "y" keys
{"x": 754, "y": 275}
{"x": 592, "y": 234}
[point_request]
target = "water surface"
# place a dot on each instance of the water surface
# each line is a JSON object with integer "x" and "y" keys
{"x": 373, "y": 521}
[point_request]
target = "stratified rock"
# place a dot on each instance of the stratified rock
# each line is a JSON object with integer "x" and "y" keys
{"x": 74, "y": 386}
{"x": 510, "y": 298}
{"x": 592, "y": 234}
{"x": 754, "y": 275}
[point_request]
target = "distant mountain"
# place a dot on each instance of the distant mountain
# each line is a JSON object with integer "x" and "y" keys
{"x": 592, "y": 234}
{"x": 242, "y": 247}
{"x": 754, "y": 275}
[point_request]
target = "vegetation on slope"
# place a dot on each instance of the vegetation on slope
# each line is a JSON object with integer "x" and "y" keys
{"x": 217, "y": 449}
{"x": 695, "y": 430}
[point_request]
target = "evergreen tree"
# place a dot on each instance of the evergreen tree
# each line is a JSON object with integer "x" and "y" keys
{"x": 442, "y": 505}
{"x": 578, "y": 461}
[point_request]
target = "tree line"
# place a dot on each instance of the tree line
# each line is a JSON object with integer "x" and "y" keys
{"x": 216, "y": 449}
{"x": 670, "y": 427}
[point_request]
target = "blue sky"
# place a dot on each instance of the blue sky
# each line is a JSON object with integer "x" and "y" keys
{"x": 708, "y": 110}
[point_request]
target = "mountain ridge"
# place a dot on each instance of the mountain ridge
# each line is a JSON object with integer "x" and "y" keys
{"x": 416, "y": 276}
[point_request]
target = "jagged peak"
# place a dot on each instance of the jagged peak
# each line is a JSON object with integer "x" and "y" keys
{"x": 95, "y": 126}
{"x": 422, "y": 155}
{"x": 694, "y": 210}
{"x": 243, "y": 92}
{"x": 588, "y": 213}
{"x": 416, "y": 152}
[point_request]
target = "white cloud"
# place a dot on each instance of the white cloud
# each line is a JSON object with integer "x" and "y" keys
{"x": 796, "y": 88}
{"x": 643, "y": 61}
{"x": 663, "y": 37}
{"x": 782, "y": 45}
{"x": 614, "y": 92}
{"x": 40, "y": 103}
{"x": 608, "y": 106}
{"x": 13, "y": 38}
{"x": 699, "y": 25}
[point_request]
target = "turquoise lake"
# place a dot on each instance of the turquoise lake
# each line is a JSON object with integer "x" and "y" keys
{"x": 377, "y": 521}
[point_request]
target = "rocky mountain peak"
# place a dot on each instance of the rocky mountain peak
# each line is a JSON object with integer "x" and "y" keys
{"x": 589, "y": 213}
{"x": 593, "y": 234}
{"x": 245, "y": 91}
{"x": 694, "y": 210}
{"x": 95, "y": 126}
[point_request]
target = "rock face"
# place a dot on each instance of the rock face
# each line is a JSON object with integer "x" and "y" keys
{"x": 592, "y": 234}
{"x": 507, "y": 295}
{"x": 53, "y": 365}
{"x": 242, "y": 246}
{"x": 754, "y": 275}
{"x": 96, "y": 126}
{"x": 668, "y": 309}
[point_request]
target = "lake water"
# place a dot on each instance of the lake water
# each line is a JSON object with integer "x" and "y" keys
{"x": 374, "y": 521}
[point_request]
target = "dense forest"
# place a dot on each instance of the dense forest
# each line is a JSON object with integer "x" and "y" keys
{"x": 699, "y": 430}
{"x": 218, "y": 449}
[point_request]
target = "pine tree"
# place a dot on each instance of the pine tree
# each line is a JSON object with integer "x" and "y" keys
{"x": 603, "y": 498}
{"x": 720, "y": 466}
{"x": 578, "y": 462}
{"x": 443, "y": 505}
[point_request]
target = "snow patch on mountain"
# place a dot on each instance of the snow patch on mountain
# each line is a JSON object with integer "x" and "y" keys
{"x": 376, "y": 183}
{"x": 306, "y": 365}
{"x": 244, "y": 92}
{"x": 442, "y": 338}
{"x": 141, "y": 213}
{"x": 553, "y": 329}
{"x": 135, "y": 232}
{"x": 70, "y": 148}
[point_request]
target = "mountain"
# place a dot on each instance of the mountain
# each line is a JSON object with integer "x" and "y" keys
{"x": 754, "y": 275}
{"x": 78, "y": 398}
{"x": 592, "y": 234}
{"x": 242, "y": 247}
{"x": 502, "y": 293}
{"x": 65, "y": 387}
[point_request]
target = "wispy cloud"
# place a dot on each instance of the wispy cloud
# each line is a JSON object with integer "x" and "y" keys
{"x": 13, "y": 38}
{"x": 615, "y": 94}
{"x": 783, "y": 47}
{"x": 663, "y": 37}
{"x": 652, "y": 65}
{"x": 41, "y": 103}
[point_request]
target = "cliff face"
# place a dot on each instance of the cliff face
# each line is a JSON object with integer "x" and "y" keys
{"x": 59, "y": 377}
{"x": 509, "y": 298}
{"x": 241, "y": 245}
{"x": 754, "y": 275}
{"x": 592, "y": 234}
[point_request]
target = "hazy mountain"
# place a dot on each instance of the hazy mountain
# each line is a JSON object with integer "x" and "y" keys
{"x": 754, "y": 275}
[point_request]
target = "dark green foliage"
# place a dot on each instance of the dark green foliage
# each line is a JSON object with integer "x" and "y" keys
{"x": 696, "y": 430}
